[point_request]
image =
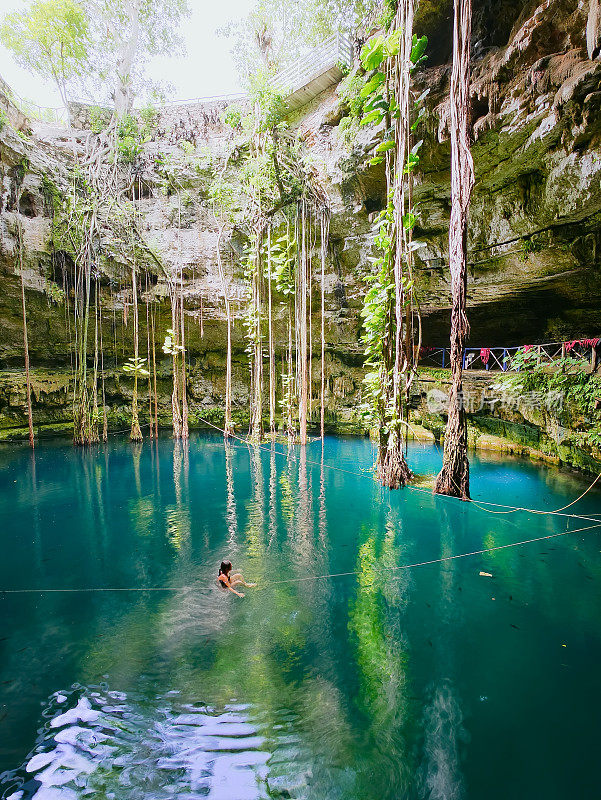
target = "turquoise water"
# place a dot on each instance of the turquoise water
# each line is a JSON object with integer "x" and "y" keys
{"x": 434, "y": 682}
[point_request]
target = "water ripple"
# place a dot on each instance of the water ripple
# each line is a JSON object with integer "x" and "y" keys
{"x": 105, "y": 744}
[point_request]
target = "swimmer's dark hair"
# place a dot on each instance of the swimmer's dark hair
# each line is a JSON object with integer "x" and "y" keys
{"x": 225, "y": 567}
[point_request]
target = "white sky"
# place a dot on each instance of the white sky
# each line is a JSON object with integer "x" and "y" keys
{"x": 207, "y": 69}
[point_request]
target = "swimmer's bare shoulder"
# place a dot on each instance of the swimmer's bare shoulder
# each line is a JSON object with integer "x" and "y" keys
{"x": 225, "y": 584}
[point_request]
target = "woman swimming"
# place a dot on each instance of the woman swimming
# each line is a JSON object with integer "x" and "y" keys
{"x": 227, "y": 581}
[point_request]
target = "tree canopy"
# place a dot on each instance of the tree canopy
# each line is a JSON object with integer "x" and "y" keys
{"x": 125, "y": 34}
{"x": 276, "y": 32}
{"x": 50, "y": 37}
{"x": 99, "y": 46}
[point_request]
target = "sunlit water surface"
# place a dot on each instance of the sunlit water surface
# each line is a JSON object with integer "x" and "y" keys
{"x": 433, "y": 682}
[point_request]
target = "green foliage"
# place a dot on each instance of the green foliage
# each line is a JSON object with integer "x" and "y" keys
{"x": 284, "y": 254}
{"x": 135, "y": 367}
{"x": 170, "y": 346}
{"x": 233, "y": 117}
{"x": 52, "y": 195}
{"x": 379, "y": 107}
{"x": 50, "y": 38}
{"x": 529, "y": 246}
{"x": 149, "y": 117}
{"x": 21, "y": 168}
{"x": 225, "y": 197}
{"x": 120, "y": 48}
{"x": 95, "y": 43}
{"x": 388, "y": 10}
{"x": 368, "y": 100}
{"x": 375, "y": 315}
{"x": 349, "y": 91}
{"x": 187, "y": 147}
{"x": 277, "y": 32}
{"x": 566, "y": 376}
{"x": 99, "y": 119}
{"x": 130, "y": 140}
{"x": 270, "y": 103}
{"x": 54, "y": 293}
{"x": 3, "y": 118}
{"x": 374, "y": 53}
{"x": 165, "y": 166}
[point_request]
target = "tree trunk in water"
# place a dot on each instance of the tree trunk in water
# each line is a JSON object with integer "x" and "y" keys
{"x": 453, "y": 479}
{"x": 393, "y": 471}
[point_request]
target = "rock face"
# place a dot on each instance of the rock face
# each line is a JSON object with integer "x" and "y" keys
{"x": 545, "y": 426}
{"x": 535, "y": 225}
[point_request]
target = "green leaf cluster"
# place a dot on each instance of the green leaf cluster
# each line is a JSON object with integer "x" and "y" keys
{"x": 579, "y": 388}
{"x": 170, "y": 345}
{"x": 49, "y": 37}
{"x": 99, "y": 119}
{"x": 379, "y": 104}
{"x": 284, "y": 253}
{"x": 130, "y": 139}
{"x": 135, "y": 366}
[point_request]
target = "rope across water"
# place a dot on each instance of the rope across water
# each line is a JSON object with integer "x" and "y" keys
{"x": 308, "y": 578}
{"x": 478, "y": 504}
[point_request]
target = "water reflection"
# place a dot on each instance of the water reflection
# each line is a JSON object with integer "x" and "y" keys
{"x": 386, "y": 683}
{"x": 231, "y": 514}
{"x": 441, "y": 773}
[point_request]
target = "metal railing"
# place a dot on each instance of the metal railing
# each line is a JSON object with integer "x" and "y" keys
{"x": 214, "y": 98}
{"x": 499, "y": 358}
{"x": 33, "y": 111}
{"x": 336, "y": 50}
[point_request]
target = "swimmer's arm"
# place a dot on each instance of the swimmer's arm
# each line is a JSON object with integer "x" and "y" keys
{"x": 227, "y": 585}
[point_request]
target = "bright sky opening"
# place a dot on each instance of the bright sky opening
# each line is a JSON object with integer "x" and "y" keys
{"x": 207, "y": 68}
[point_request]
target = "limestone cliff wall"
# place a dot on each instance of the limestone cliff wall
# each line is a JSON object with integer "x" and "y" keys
{"x": 535, "y": 225}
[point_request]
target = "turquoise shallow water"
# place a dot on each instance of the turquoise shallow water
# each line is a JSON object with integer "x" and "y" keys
{"x": 434, "y": 682}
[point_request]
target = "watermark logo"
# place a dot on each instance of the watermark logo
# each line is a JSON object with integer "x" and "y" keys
{"x": 438, "y": 401}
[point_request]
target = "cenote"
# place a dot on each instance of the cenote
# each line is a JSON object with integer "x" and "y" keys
{"x": 434, "y": 681}
{"x": 337, "y": 321}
